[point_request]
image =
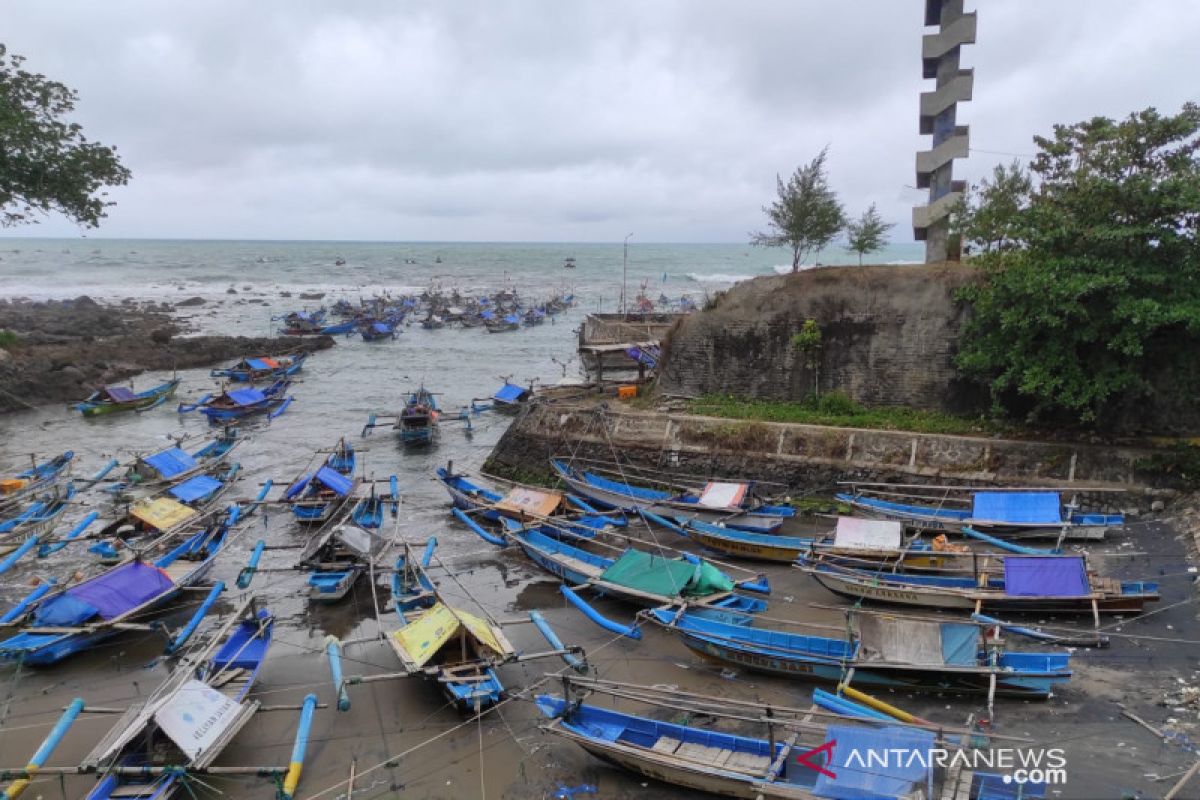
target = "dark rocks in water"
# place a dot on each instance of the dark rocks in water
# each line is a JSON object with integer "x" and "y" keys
{"x": 247, "y": 288}
{"x": 191, "y": 301}
{"x": 68, "y": 348}
{"x": 257, "y": 301}
{"x": 311, "y": 295}
{"x": 231, "y": 290}
{"x": 285, "y": 294}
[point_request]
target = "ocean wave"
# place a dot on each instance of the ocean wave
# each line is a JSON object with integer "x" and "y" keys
{"x": 718, "y": 277}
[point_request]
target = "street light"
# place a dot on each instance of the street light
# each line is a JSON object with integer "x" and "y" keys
{"x": 624, "y": 271}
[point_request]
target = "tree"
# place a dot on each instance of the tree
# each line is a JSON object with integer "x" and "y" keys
{"x": 865, "y": 235}
{"x": 1092, "y": 289}
{"x": 988, "y": 212}
{"x": 46, "y": 163}
{"x": 806, "y": 216}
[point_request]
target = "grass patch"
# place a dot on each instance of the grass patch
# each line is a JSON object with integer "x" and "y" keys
{"x": 810, "y": 505}
{"x": 839, "y": 410}
{"x": 8, "y": 339}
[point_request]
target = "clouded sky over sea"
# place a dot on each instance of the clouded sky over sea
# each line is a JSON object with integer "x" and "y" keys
{"x": 559, "y": 121}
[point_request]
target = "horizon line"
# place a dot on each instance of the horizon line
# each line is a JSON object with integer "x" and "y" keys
{"x": 615, "y": 242}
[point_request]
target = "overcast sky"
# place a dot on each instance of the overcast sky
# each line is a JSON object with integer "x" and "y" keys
{"x": 559, "y": 121}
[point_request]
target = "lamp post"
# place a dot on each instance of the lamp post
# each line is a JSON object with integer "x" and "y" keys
{"x": 624, "y": 271}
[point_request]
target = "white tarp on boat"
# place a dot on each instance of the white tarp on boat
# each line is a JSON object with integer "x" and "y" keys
{"x": 195, "y": 717}
{"x": 356, "y": 538}
{"x": 867, "y": 534}
{"x": 723, "y": 495}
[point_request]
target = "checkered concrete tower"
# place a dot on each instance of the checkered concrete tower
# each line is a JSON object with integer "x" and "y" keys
{"x": 939, "y": 109}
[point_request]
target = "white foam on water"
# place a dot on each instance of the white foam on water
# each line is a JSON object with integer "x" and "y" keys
{"x": 719, "y": 277}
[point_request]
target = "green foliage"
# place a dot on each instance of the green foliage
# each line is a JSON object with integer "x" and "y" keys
{"x": 806, "y": 216}
{"x": 987, "y": 217}
{"x": 808, "y": 338}
{"x": 8, "y": 339}
{"x": 865, "y": 235}
{"x": 47, "y": 164}
{"x": 1181, "y": 461}
{"x": 1093, "y": 277}
{"x": 837, "y": 409}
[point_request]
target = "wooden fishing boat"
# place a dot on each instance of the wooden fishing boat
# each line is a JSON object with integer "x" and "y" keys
{"x": 509, "y": 322}
{"x": 230, "y": 407}
{"x": 37, "y": 520}
{"x": 162, "y": 515}
{"x": 1023, "y": 514}
{"x": 369, "y": 512}
{"x": 718, "y": 761}
{"x": 75, "y": 617}
{"x": 510, "y": 398}
{"x": 630, "y": 574}
{"x": 880, "y": 651}
{"x": 999, "y": 582}
{"x": 319, "y": 494}
{"x": 418, "y": 420}
{"x": 441, "y": 642}
{"x": 862, "y": 542}
{"x": 111, "y": 399}
{"x": 569, "y": 515}
{"x": 252, "y": 370}
{"x": 190, "y": 719}
{"x": 378, "y": 330}
{"x": 336, "y": 557}
{"x": 17, "y": 489}
{"x": 729, "y": 502}
{"x": 303, "y": 323}
{"x": 173, "y": 465}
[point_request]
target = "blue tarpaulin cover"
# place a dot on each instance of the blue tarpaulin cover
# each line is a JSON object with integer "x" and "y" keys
{"x": 336, "y": 481}
{"x": 509, "y": 393}
{"x": 247, "y": 397}
{"x": 195, "y": 488}
{"x": 485, "y": 314}
{"x": 170, "y": 463}
{"x": 1056, "y": 576}
{"x": 512, "y": 318}
{"x": 107, "y": 596}
{"x": 1018, "y": 507}
{"x": 901, "y": 760}
{"x": 379, "y": 327}
{"x": 297, "y": 487}
{"x": 257, "y": 363}
{"x": 120, "y": 393}
{"x": 960, "y": 643}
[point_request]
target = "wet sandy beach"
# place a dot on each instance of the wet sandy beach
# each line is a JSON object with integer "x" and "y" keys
{"x": 430, "y": 750}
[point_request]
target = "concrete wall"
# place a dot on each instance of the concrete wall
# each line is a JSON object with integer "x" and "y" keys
{"x": 809, "y": 458}
{"x": 889, "y": 336}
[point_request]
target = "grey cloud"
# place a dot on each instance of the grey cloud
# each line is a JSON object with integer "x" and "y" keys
{"x": 540, "y": 120}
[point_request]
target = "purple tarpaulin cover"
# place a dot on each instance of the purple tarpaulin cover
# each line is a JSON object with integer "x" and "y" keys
{"x": 120, "y": 394}
{"x": 125, "y": 587}
{"x": 1054, "y": 576}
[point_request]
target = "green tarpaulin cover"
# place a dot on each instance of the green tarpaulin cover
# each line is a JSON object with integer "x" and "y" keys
{"x": 672, "y": 577}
